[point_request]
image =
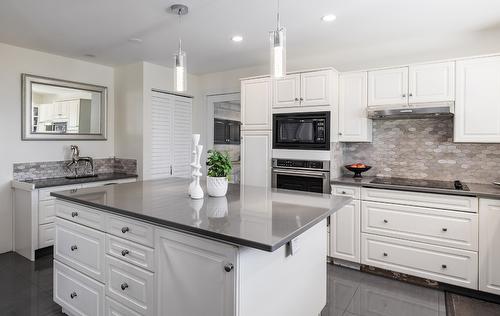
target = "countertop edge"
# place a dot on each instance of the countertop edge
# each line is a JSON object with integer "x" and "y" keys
{"x": 31, "y": 186}
{"x": 200, "y": 232}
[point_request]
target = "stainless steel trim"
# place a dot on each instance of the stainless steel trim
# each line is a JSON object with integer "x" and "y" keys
{"x": 319, "y": 174}
{"x": 326, "y": 165}
{"x": 415, "y": 112}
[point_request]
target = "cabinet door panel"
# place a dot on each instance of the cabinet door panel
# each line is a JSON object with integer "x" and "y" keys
{"x": 191, "y": 275}
{"x": 489, "y": 252}
{"x": 286, "y": 91}
{"x": 354, "y": 126}
{"x": 345, "y": 233}
{"x": 256, "y": 158}
{"x": 388, "y": 87}
{"x": 256, "y": 104}
{"x": 315, "y": 88}
{"x": 477, "y": 107}
{"x": 432, "y": 83}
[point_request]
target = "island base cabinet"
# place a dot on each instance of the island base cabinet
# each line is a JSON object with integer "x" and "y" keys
{"x": 489, "y": 251}
{"x": 345, "y": 238}
{"x": 194, "y": 276}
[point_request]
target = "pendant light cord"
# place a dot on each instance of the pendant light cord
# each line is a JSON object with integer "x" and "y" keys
{"x": 278, "y": 17}
{"x": 180, "y": 27}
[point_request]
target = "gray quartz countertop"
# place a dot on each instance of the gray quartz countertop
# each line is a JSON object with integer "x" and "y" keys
{"x": 476, "y": 189}
{"x": 61, "y": 181}
{"x": 260, "y": 218}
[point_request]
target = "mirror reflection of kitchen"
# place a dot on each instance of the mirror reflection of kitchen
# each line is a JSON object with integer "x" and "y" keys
{"x": 227, "y": 130}
{"x": 61, "y": 110}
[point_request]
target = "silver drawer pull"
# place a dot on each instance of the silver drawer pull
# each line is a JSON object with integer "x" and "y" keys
{"x": 74, "y": 214}
{"x": 125, "y": 229}
{"x": 73, "y": 295}
{"x": 386, "y": 221}
{"x": 124, "y": 286}
{"x": 228, "y": 267}
{"x": 385, "y": 254}
{"x": 73, "y": 248}
{"x": 125, "y": 252}
{"x": 445, "y": 229}
{"x": 444, "y": 266}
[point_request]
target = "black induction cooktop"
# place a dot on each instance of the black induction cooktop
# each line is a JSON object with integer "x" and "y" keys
{"x": 434, "y": 184}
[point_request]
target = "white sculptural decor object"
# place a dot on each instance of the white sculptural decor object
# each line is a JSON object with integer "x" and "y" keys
{"x": 196, "y": 140}
{"x": 197, "y": 191}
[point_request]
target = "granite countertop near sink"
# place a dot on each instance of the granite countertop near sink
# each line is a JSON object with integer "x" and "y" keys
{"x": 483, "y": 190}
{"x": 261, "y": 218}
{"x": 54, "y": 182}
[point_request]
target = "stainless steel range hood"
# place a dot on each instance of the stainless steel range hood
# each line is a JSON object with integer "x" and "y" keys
{"x": 413, "y": 111}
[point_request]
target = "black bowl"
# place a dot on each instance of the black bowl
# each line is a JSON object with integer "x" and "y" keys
{"x": 357, "y": 171}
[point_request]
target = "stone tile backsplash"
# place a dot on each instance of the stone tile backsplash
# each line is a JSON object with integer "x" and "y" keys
{"x": 56, "y": 169}
{"x": 424, "y": 149}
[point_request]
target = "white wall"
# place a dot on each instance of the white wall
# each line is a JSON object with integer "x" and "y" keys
{"x": 13, "y": 62}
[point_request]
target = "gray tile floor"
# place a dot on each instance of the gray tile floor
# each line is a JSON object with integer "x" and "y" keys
{"x": 26, "y": 290}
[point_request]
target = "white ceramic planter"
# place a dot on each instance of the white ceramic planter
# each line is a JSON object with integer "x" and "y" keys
{"x": 217, "y": 186}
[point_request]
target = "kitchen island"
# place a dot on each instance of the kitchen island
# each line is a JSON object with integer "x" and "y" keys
{"x": 146, "y": 248}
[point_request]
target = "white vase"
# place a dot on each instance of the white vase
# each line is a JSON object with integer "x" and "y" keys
{"x": 217, "y": 186}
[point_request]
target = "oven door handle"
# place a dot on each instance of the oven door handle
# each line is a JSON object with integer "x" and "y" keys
{"x": 321, "y": 174}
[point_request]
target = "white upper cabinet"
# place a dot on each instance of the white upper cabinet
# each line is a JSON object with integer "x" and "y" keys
{"x": 256, "y": 104}
{"x": 432, "y": 82}
{"x": 304, "y": 89}
{"x": 354, "y": 126}
{"x": 477, "y": 106}
{"x": 286, "y": 91}
{"x": 388, "y": 87}
{"x": 315, "y": 88}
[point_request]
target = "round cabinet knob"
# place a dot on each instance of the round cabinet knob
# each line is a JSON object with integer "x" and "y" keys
{"x": 344, "y": 192}
{"x": 74, "y": 214}
{"x": 296, "y": 99}
{"x": 445, "y": 229}
{"x": 228, "y": 267}
{"x": 124, "y": 286}
{"x": 340, "y": 134}
{"x": 411, "y": 94}
{"x": 74, "y": 247}
{"x": 125, "y": 252}
{"x": 386, "y": 221}
{"x": 73, "y": 295}
{"x": 404, "y": 95}
{"x": 301, "y": 99}
{"x": 125, "y": 229}
{"x": 385, "y": 254}
{"x": 444, "y": 266}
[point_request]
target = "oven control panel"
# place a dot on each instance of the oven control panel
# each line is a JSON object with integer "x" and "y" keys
{"x": 301, "y": 164}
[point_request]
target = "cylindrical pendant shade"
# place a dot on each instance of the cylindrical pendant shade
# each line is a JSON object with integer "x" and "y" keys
{"x": 180, "y": 72}
{"x": 278, "y": 53}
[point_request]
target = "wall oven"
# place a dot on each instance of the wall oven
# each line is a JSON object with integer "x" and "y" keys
{"x": 302, "y": 131}
{"x": 301, "y": 175}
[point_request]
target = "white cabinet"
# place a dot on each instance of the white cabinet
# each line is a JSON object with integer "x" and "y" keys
{"x": 345, "y": 233}
{"x": 316, "y": 88}
{"x": 354, "y": 126}
{"x": 388, "y": 87}
{"x": 286, "y": 91}
{"x": 256, "y": 158}
{"x": 195, "y": 276}
{"x": 477, "y": 107}
{"x": 256, "y": 104}
{"x": 429, "y": 83}
{"x": 489, "y": 251}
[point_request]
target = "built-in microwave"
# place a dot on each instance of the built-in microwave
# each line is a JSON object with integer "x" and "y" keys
{"x": 310, "y": 131}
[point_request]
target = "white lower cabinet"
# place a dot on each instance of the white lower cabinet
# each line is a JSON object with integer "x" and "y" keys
{"x": 194, "y": 276}
{"x": 114, "y": 308}
{"x": 76, "y": 293}
{"x": 489, "y": 241}
{"x": 345, "y": 233}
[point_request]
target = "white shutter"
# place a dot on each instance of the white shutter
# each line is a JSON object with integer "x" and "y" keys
{"x": 171, "y": 135}
{"x": 182, "y": 137}
{"x": 161, "y": 143}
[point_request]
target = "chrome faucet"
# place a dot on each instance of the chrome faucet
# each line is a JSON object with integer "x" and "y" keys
{"x": 75, "y": 160}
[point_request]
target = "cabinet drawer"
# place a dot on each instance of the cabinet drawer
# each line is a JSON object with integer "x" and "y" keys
{"x": 77, "y": 293}
{"x": 44, "y": 194}
{"x": 81, "y": 215}
{"x": 130, "y": 229}
{"x": 113, "y": 308}
{"x": 432, "y": 200}
{"x": 350, "y": 191}
{"x": 130, "y": 252}
{"x": 46, "y": 234}
{"x": 46, "y": 211}
{"x": 130, "y": 286}
{"x": 80, "y": 247}
{"x": 439, "y": 227}
{"x": 448, "y": 265}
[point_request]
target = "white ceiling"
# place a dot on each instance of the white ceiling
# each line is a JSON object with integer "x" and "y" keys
{"x": 367, "y": 33}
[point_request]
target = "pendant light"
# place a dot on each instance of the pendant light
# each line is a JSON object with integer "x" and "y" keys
{"x": 180, "y": 71}
{"x": 277, "y": 40}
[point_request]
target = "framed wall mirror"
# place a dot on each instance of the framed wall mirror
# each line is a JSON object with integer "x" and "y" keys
{"x": 55, "y": 109}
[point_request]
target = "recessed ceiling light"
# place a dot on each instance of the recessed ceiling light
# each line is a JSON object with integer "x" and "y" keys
{"x": 135, "y": 40}
{"x": 329, "y": 18}
{"x": 237, "y": 38}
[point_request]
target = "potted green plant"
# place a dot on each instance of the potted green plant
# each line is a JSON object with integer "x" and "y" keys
{"x": 219, "y": 170}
